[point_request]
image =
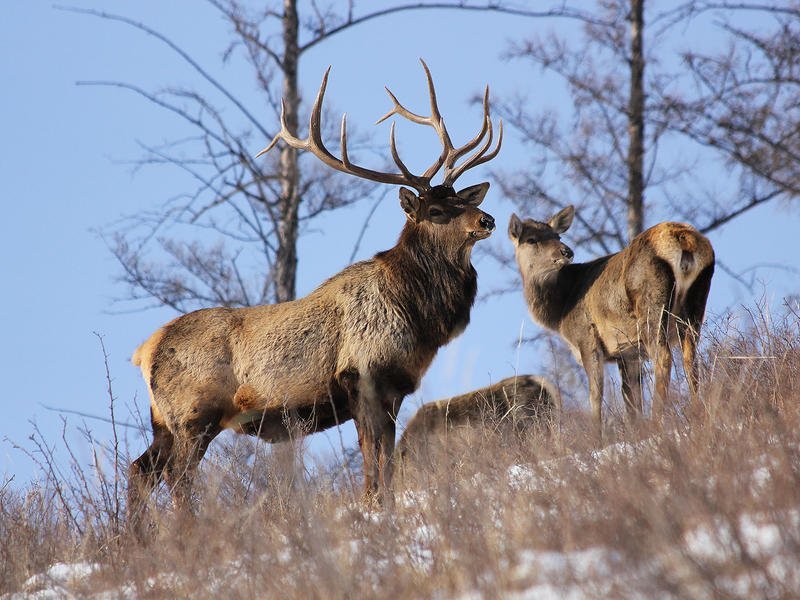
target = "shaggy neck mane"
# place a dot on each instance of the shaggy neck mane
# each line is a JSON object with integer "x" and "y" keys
{"x": 432, "y": 281}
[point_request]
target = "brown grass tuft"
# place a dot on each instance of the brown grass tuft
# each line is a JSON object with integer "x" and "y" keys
{"x": 707, "y": 506}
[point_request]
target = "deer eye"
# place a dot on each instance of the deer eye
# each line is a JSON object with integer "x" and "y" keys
{"x": 530, "y": 241}
{"x": 435, "y": 212}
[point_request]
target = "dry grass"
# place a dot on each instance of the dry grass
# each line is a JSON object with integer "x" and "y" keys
{"x": 706, "y": 506}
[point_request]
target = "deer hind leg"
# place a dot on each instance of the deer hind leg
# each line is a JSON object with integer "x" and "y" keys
{"x": 689, "y": 324}
{"x": 191, "y": 442}
{"x": 630, "y": 371}
{"x": 654, "y": 313}
{"x": 662, "y": 366}
{"x": 145, "y": 473}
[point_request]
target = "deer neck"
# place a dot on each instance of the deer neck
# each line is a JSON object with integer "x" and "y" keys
{"x": 432, "y": 253}
{"x": 435, "y": 283}
{"x": 546, "y": 295}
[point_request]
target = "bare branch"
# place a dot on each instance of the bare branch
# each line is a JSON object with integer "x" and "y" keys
{"x": 182, "y": 53}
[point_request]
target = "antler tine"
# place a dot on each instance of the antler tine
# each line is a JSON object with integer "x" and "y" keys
{"x": 400, "y": 164}
{"x": 436, "y": 117}
{"x": 282, "y": 134}
{"x": 479, "y": 157}
{"x": 486, "y": 125}
{"x": 434, "y": 120}
{"x": 448, "y": 157}
{"x": 399, "y": 109}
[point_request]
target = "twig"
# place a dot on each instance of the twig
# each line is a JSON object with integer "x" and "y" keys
{"x": 89, "y": 416}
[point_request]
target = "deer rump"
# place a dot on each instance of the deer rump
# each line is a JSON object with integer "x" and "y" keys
{"x": 639, "y": 294}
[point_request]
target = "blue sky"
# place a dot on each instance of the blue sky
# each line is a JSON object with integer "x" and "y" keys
{"x": 64, "y": 177}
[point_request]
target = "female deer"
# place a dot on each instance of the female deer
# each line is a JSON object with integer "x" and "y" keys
{"x": 624, "y": 307}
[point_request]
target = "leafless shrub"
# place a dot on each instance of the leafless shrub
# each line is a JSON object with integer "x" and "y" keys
{"x": 708, "y": 506}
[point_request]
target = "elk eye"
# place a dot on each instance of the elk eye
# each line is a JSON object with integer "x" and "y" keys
{"x": 435, "y": 212}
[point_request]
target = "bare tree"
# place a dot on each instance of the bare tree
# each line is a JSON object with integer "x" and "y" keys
{"x": 745, "y": 104}
{"x": 255, "y": 208}
{"x": 621, "y": 154}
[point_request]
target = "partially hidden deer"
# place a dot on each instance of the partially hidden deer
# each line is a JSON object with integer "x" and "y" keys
{"x": 351, "y": 349}
{"x": 624, "y": 307}
{"x": 514, "y": 405}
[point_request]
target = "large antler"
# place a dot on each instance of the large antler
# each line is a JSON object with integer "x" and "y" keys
{"x": 313, "y": 143}
{"x": 449, "y": 154}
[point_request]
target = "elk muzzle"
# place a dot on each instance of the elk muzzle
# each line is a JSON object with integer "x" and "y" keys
{"x": 564, "y": 256}
{"x": 485, "y": 226}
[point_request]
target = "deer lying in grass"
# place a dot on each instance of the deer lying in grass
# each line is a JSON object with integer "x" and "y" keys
{"x": 515, "y": 404}
{"x": 624, "y": 307}
{"x": 351, "y": 349}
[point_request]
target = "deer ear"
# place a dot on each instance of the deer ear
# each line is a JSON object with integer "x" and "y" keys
{"x": 514, "y": 227}
{"x": 474, "y": 194}
{"x": 562, "y": 219}
{"x": 410, "y": 203}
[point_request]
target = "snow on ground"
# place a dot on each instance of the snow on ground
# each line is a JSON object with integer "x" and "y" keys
{"x": 55, "y": 583}
{"x": 573, "y": 575}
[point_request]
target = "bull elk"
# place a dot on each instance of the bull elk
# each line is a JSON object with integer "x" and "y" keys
{"x": 624, "y": 307}
{"x": 351, "y": 349}
{"x": 515, "y": 404}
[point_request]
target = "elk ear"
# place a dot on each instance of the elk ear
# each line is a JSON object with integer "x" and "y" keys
{"x": 410, "y": 203}
{"x": 514, "y": 227}
{"x": 474, "y": 194}
{"x": 562, "y": 219}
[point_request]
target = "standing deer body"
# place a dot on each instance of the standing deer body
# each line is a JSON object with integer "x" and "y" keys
{"x": 351, "y": 349}
{"x": 625, "y": 307}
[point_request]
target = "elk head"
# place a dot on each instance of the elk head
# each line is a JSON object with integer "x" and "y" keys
{"x": 453, "y": 217}
{"x": 538, "y": 246}
{"x": 438, "y": 210}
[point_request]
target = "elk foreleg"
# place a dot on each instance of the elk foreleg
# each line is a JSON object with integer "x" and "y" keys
{"x": 374, "y": 418}
{"x": 370, "y": 440}
{"x": 386, "y": 460}
{"x": 593, "y": 361}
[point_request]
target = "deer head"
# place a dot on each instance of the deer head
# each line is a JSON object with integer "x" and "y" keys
{"x": 439, "y": 209}
{"x": 538, "y": 246}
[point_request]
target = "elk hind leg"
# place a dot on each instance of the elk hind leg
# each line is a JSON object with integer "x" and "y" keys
{"x": 654, "y": 315}
{"x": 188, "y": 450}
{"x": 662, "y": 367}
{"x": 689, "y": 324}
{"x": 145, "y": 473}
{"x": 630, "y": 371}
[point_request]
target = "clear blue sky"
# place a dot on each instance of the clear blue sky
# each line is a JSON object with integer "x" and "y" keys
{"x": 62, "y": 178}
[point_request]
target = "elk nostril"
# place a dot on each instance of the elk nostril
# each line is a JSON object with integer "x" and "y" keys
{"x": 487, "y": 221}
{"x": 566, "y": 252}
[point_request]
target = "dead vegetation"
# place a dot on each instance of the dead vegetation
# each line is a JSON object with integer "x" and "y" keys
{"x": 707, "y": 507}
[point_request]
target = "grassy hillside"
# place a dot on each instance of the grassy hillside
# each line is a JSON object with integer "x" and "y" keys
{"x": 706, "y": 506}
